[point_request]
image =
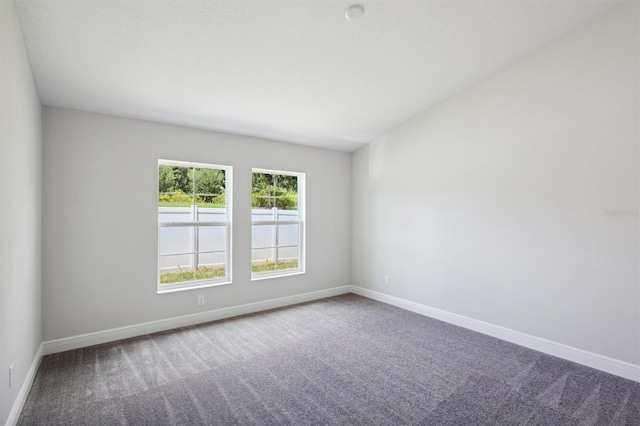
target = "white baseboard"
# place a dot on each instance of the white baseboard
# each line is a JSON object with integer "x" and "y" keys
{"x": 25, "y": 388}
{"x": 590, "y": 359}
{"x": 89, "y": 339}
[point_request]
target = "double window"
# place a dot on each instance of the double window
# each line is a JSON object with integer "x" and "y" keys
{"x": 194, "y": 224}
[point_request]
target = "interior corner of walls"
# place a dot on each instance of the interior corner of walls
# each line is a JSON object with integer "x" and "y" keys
{"x": 376, "y": 160}
{"x": 25, "y": 388}
{"x": 20, "y": 219}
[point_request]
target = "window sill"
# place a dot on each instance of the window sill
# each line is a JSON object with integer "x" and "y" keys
{"x": 168, "y": 288}
{"x": 270, "y": 275}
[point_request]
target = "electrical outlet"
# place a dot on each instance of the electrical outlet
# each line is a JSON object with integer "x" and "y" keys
{"x": 387, "y": 280}
{"x": 201, "y": 300}
{"x": 11, "y": 375}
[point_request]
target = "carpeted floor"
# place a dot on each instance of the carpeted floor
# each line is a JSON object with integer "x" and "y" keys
{"x": 346, "y": 360}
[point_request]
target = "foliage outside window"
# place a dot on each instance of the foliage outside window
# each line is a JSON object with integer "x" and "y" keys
{"x": 277, "y": 241}
{"x": 194, "y": 225}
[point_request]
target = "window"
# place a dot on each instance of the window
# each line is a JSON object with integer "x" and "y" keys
{"x": 194, "y": 225}
{"x": 277, "y": 218}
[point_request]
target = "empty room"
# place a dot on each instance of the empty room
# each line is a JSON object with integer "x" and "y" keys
{"x": 306, "y": 212}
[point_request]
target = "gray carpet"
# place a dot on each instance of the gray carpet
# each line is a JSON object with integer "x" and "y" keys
{"x": 346, "y": 360}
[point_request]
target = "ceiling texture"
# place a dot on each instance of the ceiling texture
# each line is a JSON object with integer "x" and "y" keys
{"x": 289, "y": 70}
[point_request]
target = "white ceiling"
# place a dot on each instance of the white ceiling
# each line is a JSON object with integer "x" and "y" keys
{"x": 291, "y": 70}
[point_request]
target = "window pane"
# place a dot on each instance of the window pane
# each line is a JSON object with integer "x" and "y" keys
{"x": 263, "y": 255}
{"x": 263, "y": 236}
{"x": 263, "y": 245}
{"x": 262, "y": 260}
{"x": 260, "y": 183}
{"x": 175, "y": 263}
{"x": 178, "y": 261}
{"x": 288, "y": 263}
{"x": 176, "y": 240}
{"x": 212, "y": 265}
{"x": 210, "y": 187}
{"x": 287, "y": 235}
{"x": 212, "y": 238}
{"x": 178, "y": 268}
{"x": 288, "y": 248}
{"x": 273, "y": 190}
{"x": 275, "y": 247}
{"x": 175, "y": 186}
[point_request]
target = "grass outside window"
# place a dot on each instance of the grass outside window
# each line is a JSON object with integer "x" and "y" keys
{"x": 204, "y": 273}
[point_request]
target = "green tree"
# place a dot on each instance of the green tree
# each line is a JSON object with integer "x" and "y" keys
{"x": 209, "y": 183}
{"x": 182, "y": 179}
{"x": 265, "y": 181}
{"x": 260, "y": 182}
{"x": 288, "y": 183}
{"x": 165, "y": 178}
{"x": 271, "y": 190}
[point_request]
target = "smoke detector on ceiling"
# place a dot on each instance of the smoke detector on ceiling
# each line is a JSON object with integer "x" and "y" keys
{"x": 354, "y": 12}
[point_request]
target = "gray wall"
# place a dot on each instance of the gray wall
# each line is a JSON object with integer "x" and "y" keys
{"x": 492, "y": 204}
{"x": 100, "y": 208}
{"x": 20, "y": 219}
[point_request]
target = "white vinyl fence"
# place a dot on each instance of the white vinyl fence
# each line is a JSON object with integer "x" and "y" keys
{"x": 275, "y": 242}
{"x": 181, "y": 249}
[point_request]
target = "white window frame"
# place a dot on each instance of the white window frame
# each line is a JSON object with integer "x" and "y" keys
{"x": 301, "y": 222}
{"x": 209, "y": 282}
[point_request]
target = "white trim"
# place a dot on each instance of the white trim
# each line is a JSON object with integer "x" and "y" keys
{"x": 194, "y": 285}
{"x": 89, "y": 339}
{"x": 178, "y": 163}
{"x": 600, "y": 362}
{"x": 260, "y": 276}
{"x": 276, "y": 222}
{"x": 277, "y": 172}
{"x": 16, "y": 409}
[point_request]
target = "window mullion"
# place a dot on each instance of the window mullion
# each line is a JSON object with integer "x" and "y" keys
{"x": 194, "y": 211}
